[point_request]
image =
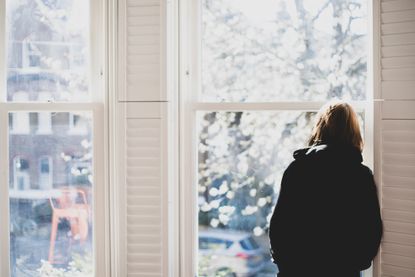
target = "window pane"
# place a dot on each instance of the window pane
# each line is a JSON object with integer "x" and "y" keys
{"x": 241, "y": 160}
{"x": 51, "y": 197}
{"x": 47, "y": 50}
{"x": 242, "y": 156}
{"x": 271, "y": 50}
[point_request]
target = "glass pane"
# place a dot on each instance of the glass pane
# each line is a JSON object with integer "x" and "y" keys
{"x": 242, "y": 156}
{"x": 272, "y": 50}
{"x": 51, "y": 196}
{"x": 47, "y": 50}
{"x": 241, "y": 160}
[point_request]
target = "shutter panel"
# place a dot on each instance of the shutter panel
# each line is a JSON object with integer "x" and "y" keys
{"x": 141, "y": 48}
{"x": 397, "y": 162}
{"x": 143, "y": 190}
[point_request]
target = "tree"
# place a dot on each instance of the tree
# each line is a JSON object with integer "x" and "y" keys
{"x": 300, "y": 50}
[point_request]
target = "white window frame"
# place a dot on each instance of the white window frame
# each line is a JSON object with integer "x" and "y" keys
{"x": 97, "y": 106}
{"x": 189, "y": 29}
{"x": 44, "y": 119}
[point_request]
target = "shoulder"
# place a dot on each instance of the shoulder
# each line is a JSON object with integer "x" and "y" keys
{"x": 365, "y": 171}
{"x": 366, "y": 179}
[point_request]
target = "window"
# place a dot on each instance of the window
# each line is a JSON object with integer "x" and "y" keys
{"x": 257, "y": 73}
{"x": 77, "y": 124}
{"x": 52, "y": 85}
{"x": 45, "y": 173}
{"x": 21, "y": 177}
{"x": 59, "y": 213}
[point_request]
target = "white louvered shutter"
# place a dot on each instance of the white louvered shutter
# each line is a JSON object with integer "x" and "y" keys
{"x": 141, "y": 140}
{"x": 143, "y": 190}
{"x": 141, "y": 50}
{"x": 397, "y": 255}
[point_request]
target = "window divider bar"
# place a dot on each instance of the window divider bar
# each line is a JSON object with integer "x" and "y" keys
{"x": 58, "y": 107}
{"x": 271, "y": 106}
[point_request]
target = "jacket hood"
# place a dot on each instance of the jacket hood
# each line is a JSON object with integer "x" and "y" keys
{"x": 324, "y": 151}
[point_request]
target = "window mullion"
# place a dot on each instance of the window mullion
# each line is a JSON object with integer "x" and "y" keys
{"x": 268, "y": 106}
{"x": 56, "y": 107}
{"x": 4, "y": 195}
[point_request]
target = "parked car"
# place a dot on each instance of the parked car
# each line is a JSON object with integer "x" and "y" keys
{"x": 229, "y": 253}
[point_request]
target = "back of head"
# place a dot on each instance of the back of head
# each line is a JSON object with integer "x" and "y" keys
{"x": 337, "y": 124}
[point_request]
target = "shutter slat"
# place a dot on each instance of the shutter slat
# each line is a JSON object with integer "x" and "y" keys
{"x": 398, "y": 51}
{"x": 398, "y": 16}
{"x": 143, "y": 190}
{"x": 143, "y": 132}
{"x": 143, "y": 30}
{"x": 398, "y": 5}
{"x": 145, "y": 258}
{"x": 142, "y": 267}
{"x": 398, "y": 62}
{"x": 398, "y": 125}
{"x": 395, "y": 110}
{"x": 138, "y": 181}
{"x": 398, "y": 28}
{"x": 397, "y": 271}
{"x": 144, "y": 239}
{"x": 143, "y": 162}
{"x": 398, "y": 148}
{"x": 399, "y": 238}
{"x": 398, "y": 193}
{"x": 401, "y": 74}
{"x": 143, "y": 21}
{"x": 145, "y": 40}
{"x": 398, "y": 39}
{"x": 137, "y": 60}
{"x": 401, "y": 216}
{"x": 406, "y": 262}
{"x": 399, "y": 136}
{"x": 398, "y": 204}
{"x": 398, "y": 249}
{"x": 398, "y": 170}
{"x": 143, "y": 200}
{"x": 143, "y": 3}
{"x": 399, "y": 181}
{"x": 399, "y": 90}
{"x": 142, "y": 229}
{"x": 144, "y": 11}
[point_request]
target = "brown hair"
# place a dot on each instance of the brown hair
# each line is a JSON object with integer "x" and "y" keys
{"x": 337, "y": 123}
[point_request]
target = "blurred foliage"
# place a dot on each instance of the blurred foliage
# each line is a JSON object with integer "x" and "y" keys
{"x": 268, "y": 50}
{"x": 262, "y": 51}
{"x": 80, "y": 266}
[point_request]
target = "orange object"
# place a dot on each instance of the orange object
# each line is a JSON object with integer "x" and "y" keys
{"x": 73, "y": 206}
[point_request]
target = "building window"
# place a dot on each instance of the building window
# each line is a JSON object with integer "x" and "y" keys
{"x": 77, "y": 124}
{"x": 259, "y": 71}
{"x": 21, "y": 177}
{"x": 45, "y": 173}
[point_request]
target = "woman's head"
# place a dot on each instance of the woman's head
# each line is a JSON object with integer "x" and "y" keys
{"x": 337, "y": 123}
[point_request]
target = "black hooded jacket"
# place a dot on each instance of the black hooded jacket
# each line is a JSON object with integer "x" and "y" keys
{"x": 327, "y": 219}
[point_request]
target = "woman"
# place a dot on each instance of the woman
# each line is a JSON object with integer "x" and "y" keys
{"x": 327, "y": 219}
